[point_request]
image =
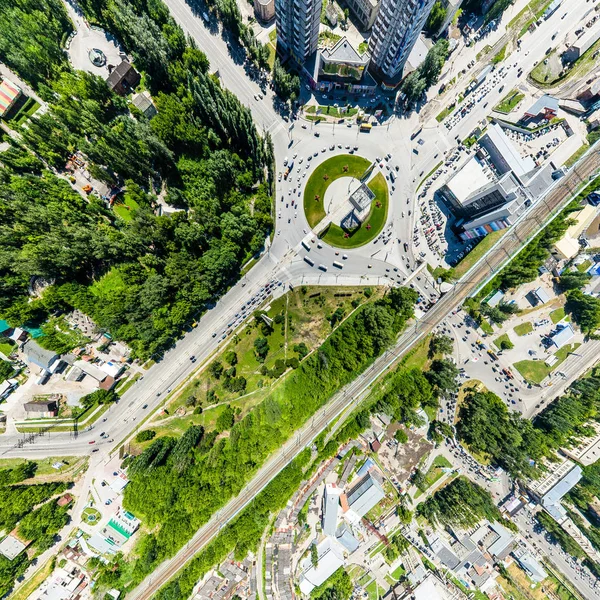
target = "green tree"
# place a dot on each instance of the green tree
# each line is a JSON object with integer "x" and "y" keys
{"x": 436, "y": 17}
{"x": 226, "y": 419}
{"x": 261, "y": 348}
{"x": 401, "y": 436}
{"x": 573, "y": 280}
{"x": 584, "y": 309}
{"x": 440, "y": 344}
{"x": 314, "y": 556}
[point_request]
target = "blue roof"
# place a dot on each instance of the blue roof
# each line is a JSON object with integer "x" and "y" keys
{"x": 366, "y": 466}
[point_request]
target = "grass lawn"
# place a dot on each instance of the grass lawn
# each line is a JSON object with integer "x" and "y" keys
{"x": 509, "y": 102}
{"x": 486, "y": 327}
{"x": 523, "y": 328}
{"x": 418, "y": 355}
{"x": 435, "y": 473}
{"x": 502, "y": 338}
{"x": 500, "y": 56}
{"x": 576, "y": 155}
{"x": 482, "y": 247}
{"x": 374, "y": 591}
{"x": 91, "y": 516}
{"x": 537, "y": 370}
{"x": 304, "y": 317}
{"x": 332, "y": 111}
{"x": 397, "y": 573}
{"x": 557, "y": 315}
{"x": 273, "y": 35}
{"x": 44, "y": 465}
{"x": 374, "y": 223}
{"x": 123, "y": 209}
{"x": 127, "y": 384}
{"x": 430, "y": 174}
{"x": 447, "y": 111}
{"x": 585, "y": 265}
{"x": 317, "y": 184}
{"x": 363, "y": 47}
{"x": 7, "y": 346}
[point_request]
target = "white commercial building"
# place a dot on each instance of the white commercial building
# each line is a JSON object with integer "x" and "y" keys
{"x": 330, "y": 559}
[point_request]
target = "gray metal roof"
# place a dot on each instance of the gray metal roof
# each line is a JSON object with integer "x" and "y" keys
{"x": 39, "y": 356}
{"x": 365, "y": 494}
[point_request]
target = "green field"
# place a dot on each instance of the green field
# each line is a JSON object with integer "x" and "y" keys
{"x": 91, "y": 516}
{"x": 502, "y": 338}
{"x": 7, "y": 346}
{"x": 300, "y": 316}
{"x": 374, "y": 223}
{"x": 536, "y": 371}
{"x": 447, "y": 111}
{"x": 482, "y": 247}
{"x": 44, "y": 465}
{"x": 435, "y": 473}
{"x": 332, "y": 111}
{"x": 523, "y": 328}
{"x": 323, "y": 176}
{"x": 123, "y": 209}
{"x": 557, "y": 315}
{"x": 509, "y": 102}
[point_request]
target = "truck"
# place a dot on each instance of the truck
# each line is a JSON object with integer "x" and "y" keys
{"x": 288, "y": 170}
{"x": 366, "y": 126}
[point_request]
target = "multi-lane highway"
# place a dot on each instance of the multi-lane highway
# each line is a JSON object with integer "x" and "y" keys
{"x": 354, "y": 392}
{"x": 284, "y": 263}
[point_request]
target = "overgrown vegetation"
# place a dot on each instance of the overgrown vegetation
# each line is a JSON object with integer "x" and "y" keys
{"x": 188, "y": 479}
{"x": 461, "y": 503}
{"x": 488, "y": 428}
{"x": 145, "y": 278}
{"x": 29, "y": 509}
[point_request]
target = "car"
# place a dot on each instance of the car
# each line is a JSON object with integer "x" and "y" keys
{"x": 145, "y": 406}
{"x": 92, "y": 442}
{"x": 95, "y": 449}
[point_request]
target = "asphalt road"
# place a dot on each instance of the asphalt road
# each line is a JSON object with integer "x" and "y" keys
{"x": 354, "y": 392}
{"x": 283, "y": 263}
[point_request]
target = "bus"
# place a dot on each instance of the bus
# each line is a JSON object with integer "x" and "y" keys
{"x": 366, "y": 126}
{"x": 416, "y": 133}
{"x": 337, "y": 264}
{"x": 323, "y": 267}
{"x": 306, "y": 246}
{"x": 309, "y": 261}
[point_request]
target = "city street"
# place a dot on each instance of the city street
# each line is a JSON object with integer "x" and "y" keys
{"x": 283, "y": 264}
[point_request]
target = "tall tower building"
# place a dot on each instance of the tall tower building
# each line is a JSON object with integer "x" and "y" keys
{"x": 395, "y": 32}
{"x": 297, "y": 24}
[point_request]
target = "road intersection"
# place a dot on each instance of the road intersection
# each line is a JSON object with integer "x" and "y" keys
{"x": 283, "y": 264}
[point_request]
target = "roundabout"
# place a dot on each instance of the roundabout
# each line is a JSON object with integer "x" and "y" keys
{"x": 346, "y": 201}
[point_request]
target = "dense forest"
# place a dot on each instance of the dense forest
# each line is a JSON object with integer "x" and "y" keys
{"x": 190, "y": 478}
{"x": 461, "y": 503}
{"x": 39, "y": 526}
{"x": 143, "y": 278}
{"x": 487, "y": 427}
{"x": 244, "y": 532}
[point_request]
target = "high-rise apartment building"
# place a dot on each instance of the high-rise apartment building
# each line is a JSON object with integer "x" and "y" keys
{"x": 297, "y": 24}
{"x": 395, "y": 32}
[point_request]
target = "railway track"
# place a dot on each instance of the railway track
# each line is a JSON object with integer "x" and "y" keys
{"x": 347, "y": 398}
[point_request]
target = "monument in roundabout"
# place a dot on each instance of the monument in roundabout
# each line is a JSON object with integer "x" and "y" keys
{"x": 346, "y": 201}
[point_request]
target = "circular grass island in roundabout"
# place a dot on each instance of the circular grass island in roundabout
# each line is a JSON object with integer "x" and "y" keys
{"x": 335, "y": 207}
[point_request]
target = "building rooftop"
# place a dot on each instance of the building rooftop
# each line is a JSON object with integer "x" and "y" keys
{"x": 365, "y": 494}
{"x": 472, "y": 176}
{"x": 564, "y": 336}
{"x": 542, "y": 295}
{"x": 532, "y": 567}
{"x": 415, "y": 57}
{"x": 427, "y": 590}
{"x": 343, "y": 51}
{"x": 9, "y": 92}
{"x": 546, "y": 102}
{"x": 331, "y": 558}
{"x": 587, "y": 39}
{"x": 11, "y": 547}
{"x": 361, "y": 198}
{"x": 345, "y": 537}
{"x": 39, "y": 356}
{"x": 331, "y": 504}
{"x": 518, "y": 164}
